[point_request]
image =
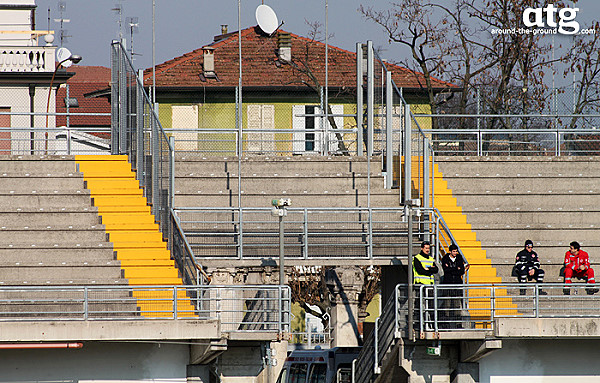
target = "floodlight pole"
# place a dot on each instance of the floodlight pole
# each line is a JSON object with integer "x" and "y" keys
{"x": 326, "y": 126}
{"x": 281, "y": 250}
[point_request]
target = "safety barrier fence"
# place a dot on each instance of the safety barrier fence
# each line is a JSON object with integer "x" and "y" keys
{"x": 515, "y": 142}
{"x": 251, "y": 233}
{"x": 469, "y": 308}
{"x": 260, "y": 308}
{"x": 137, "y": 132}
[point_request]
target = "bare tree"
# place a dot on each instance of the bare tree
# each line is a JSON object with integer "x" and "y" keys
{"x": 411, "y": 24}
{"x": 306, "y": 73}
{"x": 310, "y": 291}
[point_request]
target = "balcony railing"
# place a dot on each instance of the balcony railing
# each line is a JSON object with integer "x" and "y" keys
{"x": 27, "y": 59}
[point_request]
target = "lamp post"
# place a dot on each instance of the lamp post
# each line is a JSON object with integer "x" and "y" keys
{"x": 280, "y": 210}
{"x": 73, "y": 59}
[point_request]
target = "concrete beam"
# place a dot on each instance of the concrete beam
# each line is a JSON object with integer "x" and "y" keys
{"x": 472, "y": 351}
{"x": 548, "y": 328}
{"x": 203, "y": 353}
{"x": 109, "y": 330}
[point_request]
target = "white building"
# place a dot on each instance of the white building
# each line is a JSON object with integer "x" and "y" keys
{"x": 27, "y": 63}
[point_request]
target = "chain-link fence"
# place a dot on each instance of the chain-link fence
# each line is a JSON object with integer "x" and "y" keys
{"x": 138, "y": 133}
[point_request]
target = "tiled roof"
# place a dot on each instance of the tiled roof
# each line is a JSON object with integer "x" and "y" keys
{"x": 261, "y": 66}
{"x": 86, "y": 79}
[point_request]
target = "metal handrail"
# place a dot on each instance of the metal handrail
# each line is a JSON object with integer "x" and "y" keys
{"x": 239, "y": 308}
{"x": 189, "y": 251}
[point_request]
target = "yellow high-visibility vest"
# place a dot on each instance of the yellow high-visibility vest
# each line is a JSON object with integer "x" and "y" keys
{"x": 420, "y": 278}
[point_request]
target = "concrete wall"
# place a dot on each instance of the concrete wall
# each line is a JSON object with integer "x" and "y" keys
{"x": 97, "y": 362}
{"x": 542, "y": 361}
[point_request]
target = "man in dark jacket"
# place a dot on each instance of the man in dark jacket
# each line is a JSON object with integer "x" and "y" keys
{"x": 527, "y": 266}
{"x": 454, "y": 268}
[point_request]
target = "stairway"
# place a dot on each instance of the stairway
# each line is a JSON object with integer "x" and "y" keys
{"x": 136, "y": 238}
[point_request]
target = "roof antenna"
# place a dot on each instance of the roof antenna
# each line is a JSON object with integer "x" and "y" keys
{"x": 62, "y": 7}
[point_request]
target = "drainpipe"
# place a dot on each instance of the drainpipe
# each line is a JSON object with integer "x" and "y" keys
{"x": 6, "y": 346}
{"x": 32, "y": 117}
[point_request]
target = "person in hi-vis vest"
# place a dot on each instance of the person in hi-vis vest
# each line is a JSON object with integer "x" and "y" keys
{"x": 424, "y": 269}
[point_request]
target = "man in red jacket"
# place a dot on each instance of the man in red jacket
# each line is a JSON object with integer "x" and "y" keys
{"x": 577, "y": 264}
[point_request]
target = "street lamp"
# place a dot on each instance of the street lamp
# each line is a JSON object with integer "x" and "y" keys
{"x": 280, "y": 210}
{"x": 73, "y": 59}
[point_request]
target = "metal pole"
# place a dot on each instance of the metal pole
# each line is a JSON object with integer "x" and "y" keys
{"x": 281, "y": 252}
{"x": 407, "y": 154}
{"x": 411, "y": 295}
{"x": 389, "y": 152}
{"x": 370, "y": 97}
{"x": 153, "y": 56}
{"x": 326, "y": 137}
{"x": 359, "y": 99}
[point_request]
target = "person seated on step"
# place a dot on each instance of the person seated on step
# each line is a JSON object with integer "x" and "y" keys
{"x": 577, "y": 264}
{"x": 527, "y": 267}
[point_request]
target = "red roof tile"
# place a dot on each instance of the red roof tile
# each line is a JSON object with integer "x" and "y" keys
{"x": 261, "y": 67}
{"x": 86, "y": 79}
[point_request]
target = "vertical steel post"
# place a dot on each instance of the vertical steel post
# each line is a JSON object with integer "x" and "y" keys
{"x": 370, "y": 97}
{"x": 359, "y": 99}
{"x": 407, "y": 154}
{"x": 281, "y": 250}
{"x": 305, "y": 230}
{"x": 389, "y": 151}
{"x": 85, "y": 303}
{"x": 411, "y": 294}
{"x": 122, "y": 100}
{"x": 370, "y": 248}
{"x": 426, "y": 185}
{"x": 139, "y": 130}
{"x": 114, "y": 97}
{"x": 155, "y": 170}
{"x": 67, "y": 106}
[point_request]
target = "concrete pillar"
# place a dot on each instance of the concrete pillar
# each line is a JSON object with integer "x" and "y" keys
{"x": 198, "y": 373}
{"x": 466, "y": 373}
{"x": 345, "y": 283}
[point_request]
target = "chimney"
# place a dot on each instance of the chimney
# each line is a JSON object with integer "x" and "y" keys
{"x": 223, "y": 29}
{"x": 209, "y": 62}
{"x": 284, "y": 43}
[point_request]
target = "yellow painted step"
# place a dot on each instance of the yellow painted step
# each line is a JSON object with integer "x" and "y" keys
{"x": 145, "y": 262}
{"x": 130, "y": 226}
{"x": 119, "y": 200}
{"x": 151, "y": 272}
{"x": 135, "y": 236}
{"x": 133, "y": 253}
{"x": 124, "y": 209}
{"x": 147, "y": 281}
{"x": 126, "y": 218}
{"x": 132, "y": 229}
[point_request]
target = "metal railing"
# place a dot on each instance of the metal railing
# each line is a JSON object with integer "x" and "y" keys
{"x": 251, "y": 233}
{"x": 137, "y": 132}
{"x": 260, "y": 308}
{"x": 469, "y": 308}
{"x": 53, "y": 141}
{"x": 515, "y": 142}
{"x": 181, "y": 251}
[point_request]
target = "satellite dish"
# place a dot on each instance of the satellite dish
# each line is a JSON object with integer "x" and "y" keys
{"x": 266, "y": 19}
{"x": 64, "y": 54}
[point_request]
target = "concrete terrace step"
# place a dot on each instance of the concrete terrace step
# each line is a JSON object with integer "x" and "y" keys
{"x": 45, "y": 200}
{"x": 389, "y": 199}
{"x": 45, "y": 219}
{"x": 53, "y": 236}
{"x": 56, "y": 254}
{"x": 274, "y": 163}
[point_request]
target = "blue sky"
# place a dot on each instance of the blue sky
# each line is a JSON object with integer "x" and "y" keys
{"x": 185, "y": 25}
